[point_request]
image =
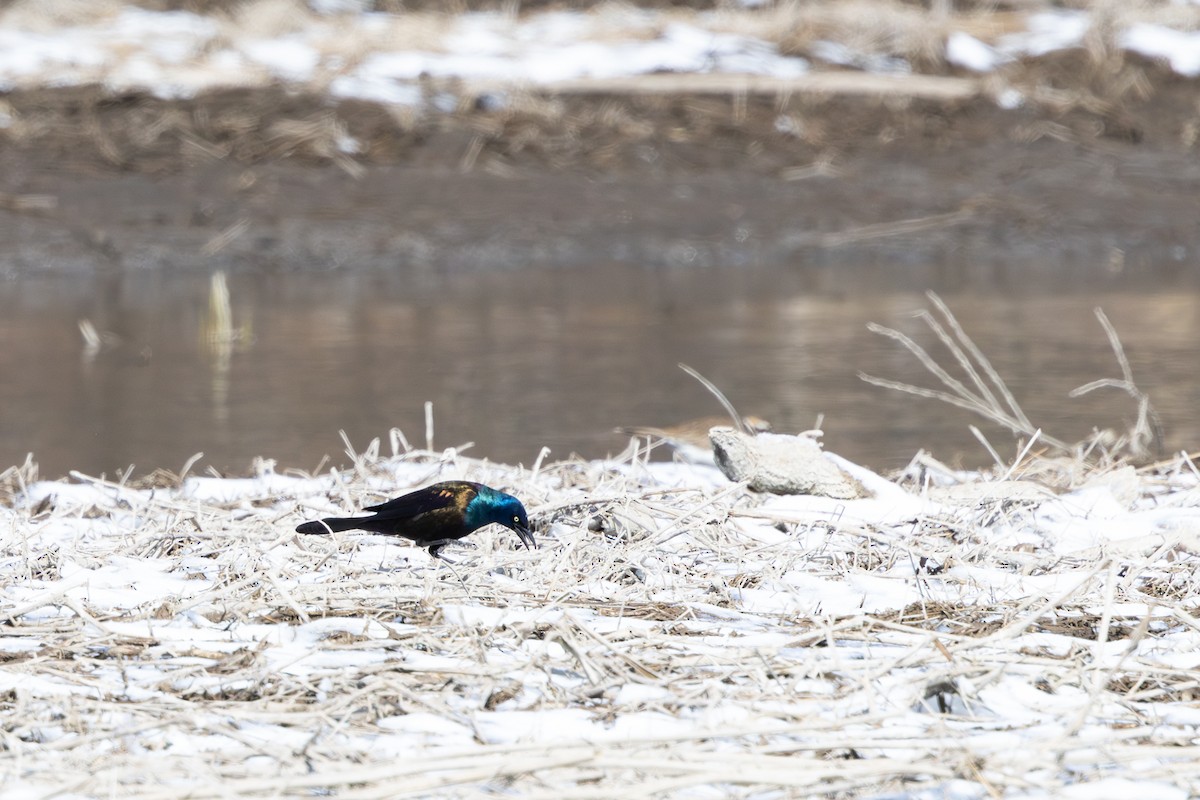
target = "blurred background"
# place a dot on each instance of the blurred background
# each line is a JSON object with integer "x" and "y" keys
{"x": 239, "y": 228}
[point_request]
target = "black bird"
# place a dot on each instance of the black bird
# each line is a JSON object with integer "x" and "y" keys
{"x": 435, "y": 516}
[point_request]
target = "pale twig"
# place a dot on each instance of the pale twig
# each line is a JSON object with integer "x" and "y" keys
{"x": 399, "y": 442}
{"x": 738, "y": 422}
{"x": 906, "y": 227}
{"x": 429, "y": 426}
{"x": 967, "y": 398}
{"x": 979, "y": 358}
{"x": 991, "y": 397}
{"x": 1021, "y": 456}
{"x": 676, "y": 528}
{"x": 978, "y": 434}
{"x": 984, "y": 395}
{"x": 1147, "y": 427}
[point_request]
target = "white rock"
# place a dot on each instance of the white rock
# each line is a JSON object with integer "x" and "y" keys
{"x": 780, "y": 464}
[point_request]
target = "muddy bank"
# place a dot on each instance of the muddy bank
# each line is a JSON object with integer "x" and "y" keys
{"x": 266, "y": 180}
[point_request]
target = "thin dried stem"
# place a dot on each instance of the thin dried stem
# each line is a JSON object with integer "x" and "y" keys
{"x": 738, "y": 422}
{"x": 992, "y": 399}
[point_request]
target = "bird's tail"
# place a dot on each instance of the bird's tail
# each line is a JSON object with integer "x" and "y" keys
{"x": 328, "y": 525}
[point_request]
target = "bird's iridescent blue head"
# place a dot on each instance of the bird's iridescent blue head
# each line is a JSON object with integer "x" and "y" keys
{"x": 490, "y": 505}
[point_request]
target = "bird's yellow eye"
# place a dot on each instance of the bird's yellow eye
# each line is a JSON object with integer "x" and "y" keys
{"x": 516, "y": 519}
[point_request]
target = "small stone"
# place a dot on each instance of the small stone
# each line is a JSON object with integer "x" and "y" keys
{"x": 779, "y": 464}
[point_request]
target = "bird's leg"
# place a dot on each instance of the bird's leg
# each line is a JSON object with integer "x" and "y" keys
{"x": 435, "y": 549}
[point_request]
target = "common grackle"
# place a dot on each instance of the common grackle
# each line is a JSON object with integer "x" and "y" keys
{"x": 435, "y": 516}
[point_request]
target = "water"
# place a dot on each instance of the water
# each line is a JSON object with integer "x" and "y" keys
{"x": 514, "y": 361}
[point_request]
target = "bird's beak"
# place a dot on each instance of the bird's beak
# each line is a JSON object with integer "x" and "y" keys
{"x": 526, "y": 536}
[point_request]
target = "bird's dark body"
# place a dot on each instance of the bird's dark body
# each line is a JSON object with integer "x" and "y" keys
{"x": 436, "y": 515}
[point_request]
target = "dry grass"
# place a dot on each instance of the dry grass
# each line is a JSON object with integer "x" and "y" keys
{"x": 869, "y": 32}
{"x": 981, "y": 390}
{"x": 270, "y": 19}
{"x": 263, "y": 119}
{"x": 166, "y": 646}
{"x": 867, "y": 27}
{"x": 45, "y": 16}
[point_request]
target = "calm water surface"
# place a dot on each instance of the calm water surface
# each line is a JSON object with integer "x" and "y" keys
{"x": 516, "y": 361}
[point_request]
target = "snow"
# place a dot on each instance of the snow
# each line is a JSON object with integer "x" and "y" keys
{"x": 1047, "y": 32}
{"x": 964, "y": 50}
{"x": 351, "y": 53}
{"x": 716, "y": 631}
{"x": 1180, "y": 49}
{"x": 838, "y": 53}
{"x": 292, "y": 60}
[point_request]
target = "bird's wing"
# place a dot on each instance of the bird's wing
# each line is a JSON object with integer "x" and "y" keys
{"x": 422, "y": 501}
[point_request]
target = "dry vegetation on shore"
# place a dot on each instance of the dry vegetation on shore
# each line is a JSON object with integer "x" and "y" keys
{"x": 673, "y": 632}
{"x": 1096, "y": 91}
{"x": 1049, "y": 176}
